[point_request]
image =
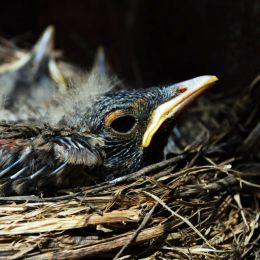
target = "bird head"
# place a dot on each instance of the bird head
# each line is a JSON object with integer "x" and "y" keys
{"x": 32, "y": 70}
{"x": 130, "y": 122}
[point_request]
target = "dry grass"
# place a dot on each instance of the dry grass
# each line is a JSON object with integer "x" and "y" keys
{"x": 201, "y": 204}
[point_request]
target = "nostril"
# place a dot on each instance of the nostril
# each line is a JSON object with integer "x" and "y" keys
{"x": 182, "y": 89}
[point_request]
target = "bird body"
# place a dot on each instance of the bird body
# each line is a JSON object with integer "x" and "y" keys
{"x": 40, "y": 157}
{"x": 111, "y": 138}
{"x": 28, "y": 79}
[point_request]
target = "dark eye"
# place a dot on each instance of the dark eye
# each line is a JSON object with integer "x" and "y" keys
{"x": 123, "y": 124}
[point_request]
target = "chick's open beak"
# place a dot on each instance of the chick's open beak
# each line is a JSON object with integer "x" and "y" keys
{"x": 44, "y": 46}
{"x": 182, "y": 94}
{"x": 41, "y": 50}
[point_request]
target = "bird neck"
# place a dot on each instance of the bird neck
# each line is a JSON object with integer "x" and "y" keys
{"x": 122, "y": 158}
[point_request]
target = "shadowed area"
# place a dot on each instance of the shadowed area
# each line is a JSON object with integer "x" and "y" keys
{"x": 148, "y": 42}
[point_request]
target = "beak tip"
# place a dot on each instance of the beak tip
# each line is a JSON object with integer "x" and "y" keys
{"x": 213, "y": 79}
{"x": 50, "y": 30}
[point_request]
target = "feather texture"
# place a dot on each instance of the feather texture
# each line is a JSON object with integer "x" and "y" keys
{"x": 37, "y": 157}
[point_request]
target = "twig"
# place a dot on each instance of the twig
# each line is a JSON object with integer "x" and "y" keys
{"x": 179, "y": 216}
{"x": 146, "y": 170}
{"x": 106, "y": 245}
{"x": 149, "y": 169}
{"x": 238, "y": 201}
{"x": 135, "y": 234}
{"x": 251, "y": 143}
{"x": 34, "y": 198}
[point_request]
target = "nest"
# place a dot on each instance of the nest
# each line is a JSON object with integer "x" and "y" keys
{"x": 202, "y": 203}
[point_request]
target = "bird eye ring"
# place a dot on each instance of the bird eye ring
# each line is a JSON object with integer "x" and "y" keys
{"x": 123, "y": 124}
{"x": 120, "y": 123}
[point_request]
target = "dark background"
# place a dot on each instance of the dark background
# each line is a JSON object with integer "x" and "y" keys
{"x": 148, "y": 42}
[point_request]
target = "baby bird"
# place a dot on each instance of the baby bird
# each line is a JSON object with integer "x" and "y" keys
{"x": 30, "y": 78}
{"x": 113, "y": 135}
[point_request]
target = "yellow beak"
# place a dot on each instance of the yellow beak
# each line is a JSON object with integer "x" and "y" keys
{"x": 183, "y": 94}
